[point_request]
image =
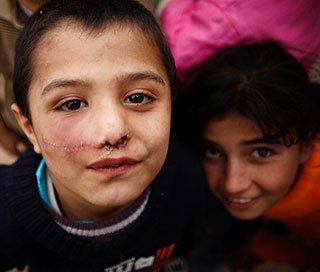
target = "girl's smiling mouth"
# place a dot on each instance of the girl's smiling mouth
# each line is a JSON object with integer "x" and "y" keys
{"x": 241, "y": 203}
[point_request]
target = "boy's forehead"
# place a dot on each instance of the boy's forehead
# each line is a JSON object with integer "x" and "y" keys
{"x": 70, "y": 25}
{"x": 72, "y": 42}
{"x": 77, "y": 30}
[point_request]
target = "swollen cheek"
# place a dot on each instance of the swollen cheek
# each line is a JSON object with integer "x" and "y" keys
{"x": 64, "y": 134}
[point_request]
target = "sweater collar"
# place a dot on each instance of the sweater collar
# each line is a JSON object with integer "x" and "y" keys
{"x": 81, "y": 228}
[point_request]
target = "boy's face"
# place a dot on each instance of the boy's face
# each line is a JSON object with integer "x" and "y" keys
{"x": 247, "y": 173}
{"x": 91, "y": 89}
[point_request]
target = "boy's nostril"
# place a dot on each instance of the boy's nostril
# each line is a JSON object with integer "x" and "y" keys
{"x": 123, "y": 141}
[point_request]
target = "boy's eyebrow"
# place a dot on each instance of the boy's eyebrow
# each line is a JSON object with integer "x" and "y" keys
{"x": 63, "y": 83}
{"x": 144, "y": 75}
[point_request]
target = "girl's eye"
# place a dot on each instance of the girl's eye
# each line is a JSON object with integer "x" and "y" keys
{"x": 138, "y": 98}
{"x": 262, "y": 152}
{"x": 73, "y": 105}
{"x": 211, "y": 153}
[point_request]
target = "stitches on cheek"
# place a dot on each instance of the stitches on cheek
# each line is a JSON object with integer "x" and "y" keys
{"x": 70, "y": 148}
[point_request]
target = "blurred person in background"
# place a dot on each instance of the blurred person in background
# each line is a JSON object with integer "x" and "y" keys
{"x": 197, "y": 29}
{"x": 13, "y": 15}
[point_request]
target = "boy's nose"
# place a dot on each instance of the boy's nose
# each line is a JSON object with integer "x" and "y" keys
{"x": 112, "y": 127}
{"x": 236, "y": 178}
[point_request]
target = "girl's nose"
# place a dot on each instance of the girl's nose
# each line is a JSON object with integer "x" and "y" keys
{"x": 237, "y": 179}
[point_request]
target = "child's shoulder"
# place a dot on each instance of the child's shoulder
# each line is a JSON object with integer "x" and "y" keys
{"x": 182, "y": 171}
{"x": 15, "y": 178}
{"x": 183, "y": 160}
{"x": 179, "y": 149}
{"x": 14, "y": 183}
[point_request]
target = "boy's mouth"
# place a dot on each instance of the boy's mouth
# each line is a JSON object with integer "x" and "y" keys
{"x": 113, "y": 163}
{"x": 113, "y": 167}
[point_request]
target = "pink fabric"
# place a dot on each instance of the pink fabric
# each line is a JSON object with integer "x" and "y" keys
{"x": 197, "y": 29}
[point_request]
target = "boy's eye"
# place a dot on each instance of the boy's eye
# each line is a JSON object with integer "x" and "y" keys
{"x": 138, "y": 98}
{"x": 73, "y": 105}
{"x": 262, "y": 152}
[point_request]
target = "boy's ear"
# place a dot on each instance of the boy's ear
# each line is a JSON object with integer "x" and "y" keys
{"x": 26, "y": 126}
{"x": 306, "y": 150}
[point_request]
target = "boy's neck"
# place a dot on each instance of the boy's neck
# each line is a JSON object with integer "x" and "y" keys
{"x": 94, "y": 215}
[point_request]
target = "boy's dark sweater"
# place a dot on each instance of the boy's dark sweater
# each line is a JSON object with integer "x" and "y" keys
{"x": 29, "y": 236}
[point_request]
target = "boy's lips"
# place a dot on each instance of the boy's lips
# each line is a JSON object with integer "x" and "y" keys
{"x": 113, "y": 167}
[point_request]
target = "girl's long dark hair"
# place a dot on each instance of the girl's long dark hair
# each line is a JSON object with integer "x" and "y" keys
{"x": 260, "y": 81}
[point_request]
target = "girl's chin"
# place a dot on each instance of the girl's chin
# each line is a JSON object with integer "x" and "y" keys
{"x": 244, "y": 216}
{"x": 243, "y": 212}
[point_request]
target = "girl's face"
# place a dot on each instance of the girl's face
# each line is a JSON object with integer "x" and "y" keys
{"x": 245, "y": 171}
{"x": 89, "y": 89}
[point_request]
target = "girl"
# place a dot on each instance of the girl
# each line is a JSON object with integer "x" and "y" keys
{"x": 255, "y": 115}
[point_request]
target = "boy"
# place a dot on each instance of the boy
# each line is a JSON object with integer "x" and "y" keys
{"x": 104, "y": 189}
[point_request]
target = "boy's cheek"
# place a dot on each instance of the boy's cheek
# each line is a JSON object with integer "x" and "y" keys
{"x": 61, "y": 133}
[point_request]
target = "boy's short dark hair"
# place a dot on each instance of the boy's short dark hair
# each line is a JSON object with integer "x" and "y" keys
{"x": 260, "y": 81}
{"x": 95, "y": 16}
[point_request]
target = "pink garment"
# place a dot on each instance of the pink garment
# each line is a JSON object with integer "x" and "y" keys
{"x": 196, "y": 29}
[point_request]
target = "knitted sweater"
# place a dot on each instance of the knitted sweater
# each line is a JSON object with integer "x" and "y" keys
{"x": 291, "y": 231}
{"x": 29, "y": 235}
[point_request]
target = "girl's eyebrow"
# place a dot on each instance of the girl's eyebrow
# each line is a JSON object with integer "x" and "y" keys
{"x": 207, "y": 142}
{"x": 275, "y": 140}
